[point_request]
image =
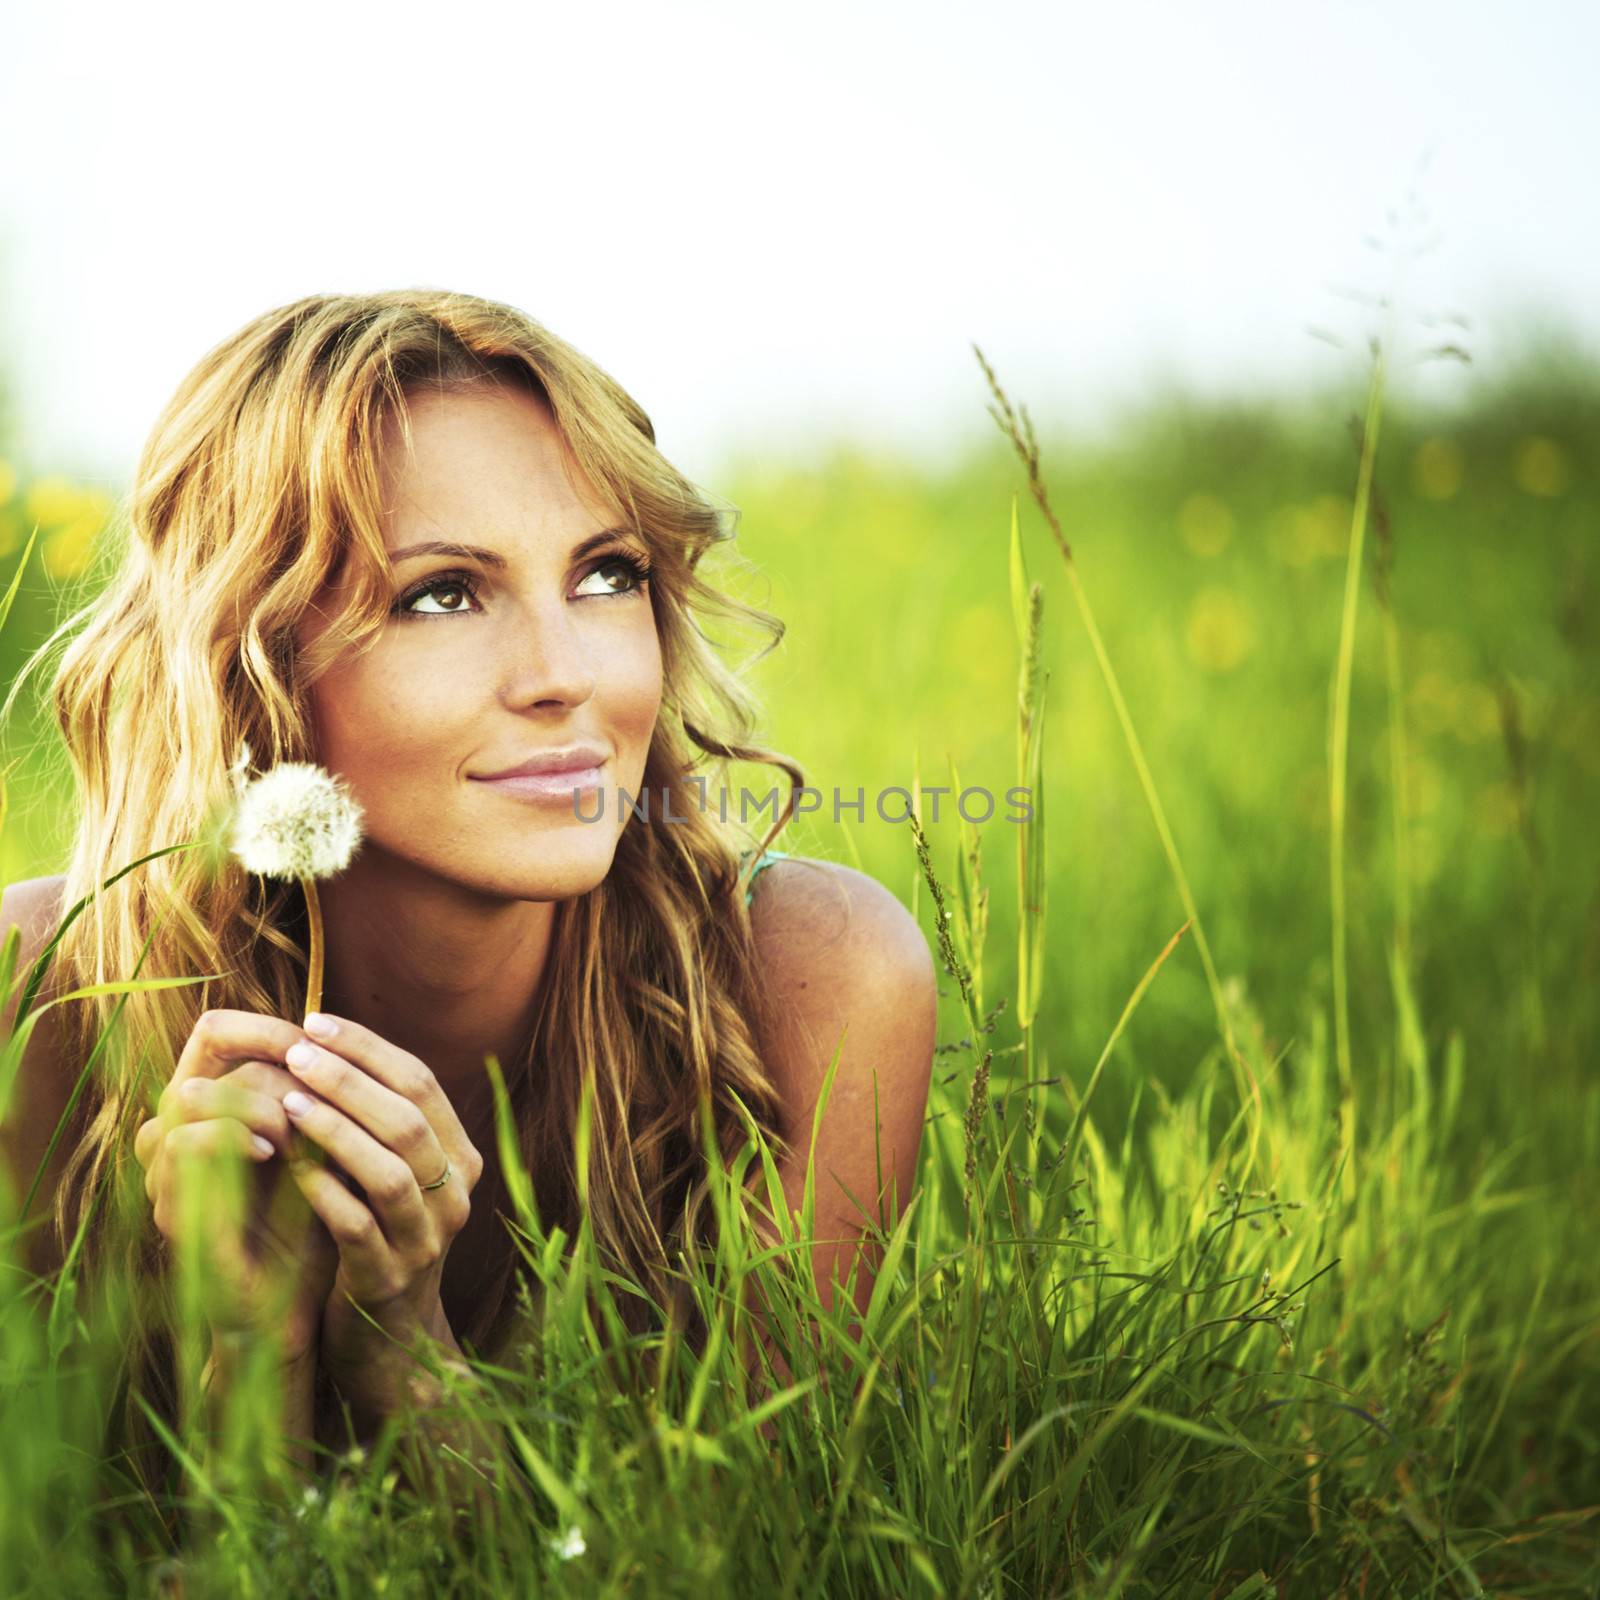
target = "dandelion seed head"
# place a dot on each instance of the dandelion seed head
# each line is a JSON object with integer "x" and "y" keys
{"x": 294, "y": 821}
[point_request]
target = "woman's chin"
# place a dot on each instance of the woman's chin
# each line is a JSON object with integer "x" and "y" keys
{"x": 559, "y": 871}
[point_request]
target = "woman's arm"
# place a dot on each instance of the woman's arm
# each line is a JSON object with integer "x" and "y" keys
{"x": 849, "y": 969}
{"x": 220, "y": 1376}
{"x": 42, "y": 1085}
{"x": 442, "y": 1438}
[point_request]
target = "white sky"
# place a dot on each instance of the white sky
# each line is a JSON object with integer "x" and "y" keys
{"x": 774, "y": 223}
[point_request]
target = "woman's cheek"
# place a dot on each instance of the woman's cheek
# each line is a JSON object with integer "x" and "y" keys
{"x": 634, "y": 676}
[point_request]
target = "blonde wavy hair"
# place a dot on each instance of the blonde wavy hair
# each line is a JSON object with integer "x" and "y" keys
{"x": 259, "y": 481}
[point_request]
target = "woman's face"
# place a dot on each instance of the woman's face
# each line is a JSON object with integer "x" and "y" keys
{"x": 486, "y": 663}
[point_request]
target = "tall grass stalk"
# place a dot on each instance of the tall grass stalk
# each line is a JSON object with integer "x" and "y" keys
{"x": 1027, "y": 613}
{"x": 1339, "y": 745}
{"x": 1022, "y": 439}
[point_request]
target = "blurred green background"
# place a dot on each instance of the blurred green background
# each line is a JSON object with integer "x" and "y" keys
{"x": 1211, "y": 538}
{"x": 1212, "y": 542}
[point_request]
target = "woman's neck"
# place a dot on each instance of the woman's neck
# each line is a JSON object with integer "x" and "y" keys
{"x": 447, "y": 981}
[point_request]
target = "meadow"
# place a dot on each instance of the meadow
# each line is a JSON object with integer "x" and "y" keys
{"x": 1246, "y": 1255}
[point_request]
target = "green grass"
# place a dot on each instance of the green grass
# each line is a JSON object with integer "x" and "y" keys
{"x": 1234, "y": 1282}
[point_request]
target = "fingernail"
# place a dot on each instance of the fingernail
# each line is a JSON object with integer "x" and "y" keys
{"x": 301, "y": 1054}
{"x": 319, "y": 1026}
{"x": 296, "y": 1104}
{"x": 263, "y": 1146}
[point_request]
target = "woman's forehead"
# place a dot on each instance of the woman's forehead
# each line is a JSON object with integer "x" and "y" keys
{"x": 499, "y": 458}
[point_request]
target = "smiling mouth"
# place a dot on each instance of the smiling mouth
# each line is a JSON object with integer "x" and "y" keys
{"x": 548, "y": 785}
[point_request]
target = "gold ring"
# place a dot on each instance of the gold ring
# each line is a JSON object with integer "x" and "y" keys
{"x": 439, "y": 1182}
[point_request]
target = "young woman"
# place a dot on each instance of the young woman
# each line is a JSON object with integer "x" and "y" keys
{"x": 417, "y": 539}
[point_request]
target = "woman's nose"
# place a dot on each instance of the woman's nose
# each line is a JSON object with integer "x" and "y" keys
{"x": 546, "y": 657}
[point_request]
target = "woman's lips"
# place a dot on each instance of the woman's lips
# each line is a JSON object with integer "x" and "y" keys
{"x": 547, "y": 785}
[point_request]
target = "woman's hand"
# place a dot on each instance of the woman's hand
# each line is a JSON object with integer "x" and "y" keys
{"x": 270, "y": 1270}
{"x": 382, "y": 1114}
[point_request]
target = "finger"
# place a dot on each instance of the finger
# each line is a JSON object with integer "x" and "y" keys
{"x": 169, "y": 1105}
{"x": 369, "y": 1264}
{"x": 261, "y": 1077}
{"x": 406, "y": 1075}
{"x": 262, "y": 1114}
{"x": 146, "y": 1140}
{"x": 224, "y": 1038}
{"x": 392, "y": 1193}
{"x": 265, "y": 1077}
{"x": 185, "y": 1113}
{"x": 276, "y": 1081}
{"x": 393, "y": 1067}
{"x": 183, "y": 1146}
{"x": 394, "y": 1122}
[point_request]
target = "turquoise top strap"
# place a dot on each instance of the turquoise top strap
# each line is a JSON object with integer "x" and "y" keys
{"x": 767, "y": 858}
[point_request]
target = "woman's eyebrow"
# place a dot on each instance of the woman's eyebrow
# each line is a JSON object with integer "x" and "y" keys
{"x": 492, "y": 558}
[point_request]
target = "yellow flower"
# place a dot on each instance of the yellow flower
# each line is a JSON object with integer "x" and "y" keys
{"x": 53, "y": 500}
{"x": 1436, "y": 469}
{"x": 1299, "y": 535}
{"x": 1540, "y": 467}
{"x": 67, "y": 551}
{"x": 1219, "y": 632}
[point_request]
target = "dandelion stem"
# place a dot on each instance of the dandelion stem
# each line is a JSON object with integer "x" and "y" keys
{"x": 314, "y": 953}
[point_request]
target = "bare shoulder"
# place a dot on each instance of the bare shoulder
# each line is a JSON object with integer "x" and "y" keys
{"x": 41, "y": 1087}
{"x": 35, "y": 906}
{"x": 818, "y": 919}
{"x": 848, "y": 970}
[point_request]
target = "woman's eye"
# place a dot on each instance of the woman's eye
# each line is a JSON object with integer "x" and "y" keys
{"x": 447, "y": 583}
{"x": 633, "y": 568}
